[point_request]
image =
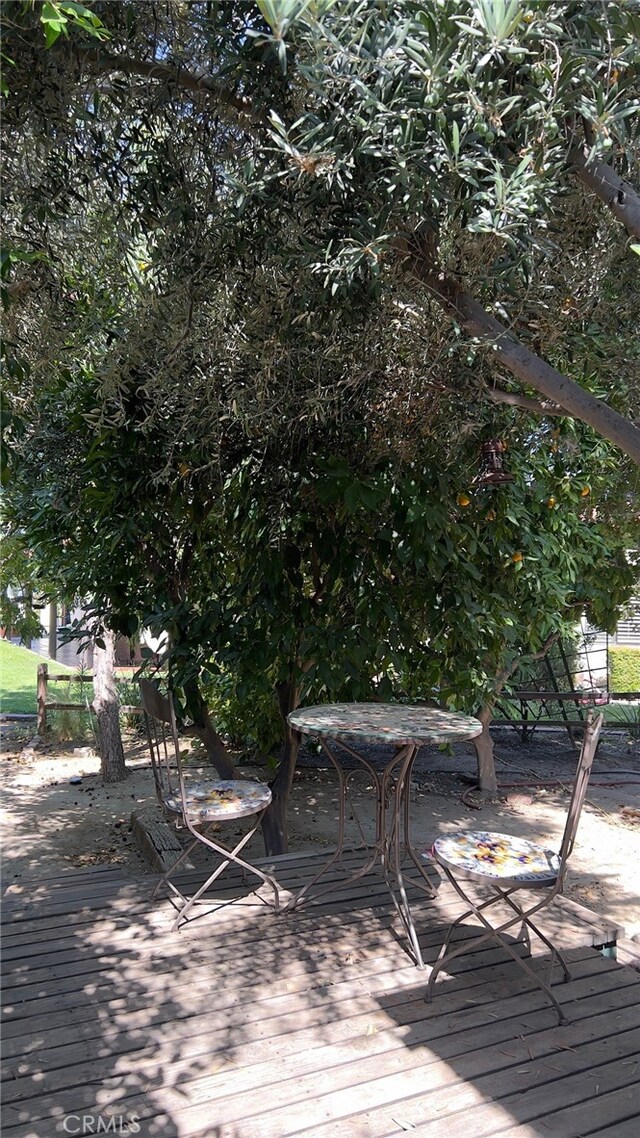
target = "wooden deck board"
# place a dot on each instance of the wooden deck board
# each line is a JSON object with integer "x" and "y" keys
{"x": 623, "y": 1128}
{"x": 249, "y": 1025}
{"x": 278, "y": 1023}
{"x": 338, "y": 1061}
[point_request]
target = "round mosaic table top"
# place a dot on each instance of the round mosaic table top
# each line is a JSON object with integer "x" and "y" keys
{"x": 385, "y": 723}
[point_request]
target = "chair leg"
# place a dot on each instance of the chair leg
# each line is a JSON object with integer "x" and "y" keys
{"x": 492, "y": 933}
{"x": 553, "y": 949}
{"x": 228, "y": 856}
{"x": 164, "y": 880}
{"x": 527, "y": 924}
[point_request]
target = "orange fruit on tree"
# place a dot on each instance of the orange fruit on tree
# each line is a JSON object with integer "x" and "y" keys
{"x": 551, "y": 502}
{"x": 517, "y": 557}
{"x": 586, "y": 490}
{"x": 464, "y": 500}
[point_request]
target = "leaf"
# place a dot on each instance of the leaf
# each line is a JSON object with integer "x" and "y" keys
{"x": 280, "y": 14}
{"x": 54, "y": 22}
{"x": 55, "y": 18}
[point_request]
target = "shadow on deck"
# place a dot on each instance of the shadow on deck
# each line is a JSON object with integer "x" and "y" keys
{"x": 250, "y": 1025}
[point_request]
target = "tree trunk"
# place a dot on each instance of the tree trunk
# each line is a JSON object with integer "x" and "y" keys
{"x": 28, "y": 610}
{"x": 206, "y": 733}
{"x": 483, "y": 744}
{"x": 536, "y": 372}
{"x": 53, "y": 631}
{"x": 41, "y": 700}
{"x": 419, "y": 254}
{"x": 105, "y": 705}
{"x": 274, "y": 823}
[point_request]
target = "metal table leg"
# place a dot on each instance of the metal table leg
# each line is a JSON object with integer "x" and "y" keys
{"x": 392, "y": 841}
{"x": 343, "y": 794}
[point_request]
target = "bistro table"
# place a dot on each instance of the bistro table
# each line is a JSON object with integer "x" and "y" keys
{"x": 340, "y": 727}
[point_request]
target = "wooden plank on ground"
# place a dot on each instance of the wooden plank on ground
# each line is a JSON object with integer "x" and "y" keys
{"x": 306, "y": 1054}
{"x": 628, "y": 952}
{"x": 623, "y": 1128}
{"x": 212, "y": 1088}
{"x": 277, "y": 1010}
{"x": 614, "y": 1109}
{"x": 311, "y": 1024}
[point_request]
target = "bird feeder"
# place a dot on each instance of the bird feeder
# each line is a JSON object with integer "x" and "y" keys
{"x": 492, "y": 471}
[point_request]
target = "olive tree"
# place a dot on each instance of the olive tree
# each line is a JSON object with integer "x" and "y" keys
{"x": 478, "y": 157}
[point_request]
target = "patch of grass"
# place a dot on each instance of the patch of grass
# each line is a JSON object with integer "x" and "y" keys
{"x": 625, "y": 716}
{"x": 18, "y": 678}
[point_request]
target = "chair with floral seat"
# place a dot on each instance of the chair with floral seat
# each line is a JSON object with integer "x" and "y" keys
{"x": 202, "y": 805}
{"x": 506, "y": 865}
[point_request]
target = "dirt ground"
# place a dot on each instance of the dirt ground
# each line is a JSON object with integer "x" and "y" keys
{"x": 51, "y": 823}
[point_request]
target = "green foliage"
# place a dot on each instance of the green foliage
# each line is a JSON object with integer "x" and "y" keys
{"x": 237, "y": 416}
{"x": 624, "y": 668}
{"x": 244, "y": 713}
{"x": 370, "y": 578}
{"x": 56, "y": 17}
{"x": 627, "y": 717}
{"x": 441, "y": 130}
{"x": 71, "y": 726}
{"x": 18, "y": 581}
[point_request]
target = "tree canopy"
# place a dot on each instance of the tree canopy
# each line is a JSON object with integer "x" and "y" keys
{"x": 272, "y": 275}
{"x": 309, "y": 160}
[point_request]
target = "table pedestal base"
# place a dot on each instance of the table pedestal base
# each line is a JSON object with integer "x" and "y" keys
{"x": 391, "y": 846}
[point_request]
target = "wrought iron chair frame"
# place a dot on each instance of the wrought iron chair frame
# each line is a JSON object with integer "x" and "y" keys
{"x": 504, "y": 893}
{"x": 171, "y": 792}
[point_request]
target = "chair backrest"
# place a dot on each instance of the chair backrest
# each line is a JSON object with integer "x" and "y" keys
{"x": 585, "y": 762}
{"x": 162, "y": 734}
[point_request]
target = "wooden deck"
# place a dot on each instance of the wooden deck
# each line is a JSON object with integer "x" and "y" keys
{"x": 249, "y": 1025}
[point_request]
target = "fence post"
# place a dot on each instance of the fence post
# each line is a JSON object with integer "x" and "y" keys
{"x": 41, "y": 697}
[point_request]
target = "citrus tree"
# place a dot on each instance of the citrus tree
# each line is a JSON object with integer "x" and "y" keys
{"x": 341, "y": 573}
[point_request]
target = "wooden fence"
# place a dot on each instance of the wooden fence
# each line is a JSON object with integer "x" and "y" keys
{"x": 44, "y": 704}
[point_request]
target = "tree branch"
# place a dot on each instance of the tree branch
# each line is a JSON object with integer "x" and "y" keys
{"x": 524, "y": 401}
{"x": 514, "y": 356}
{"x": 174, "y": 75}
{"x": 537, "y": 373}
{"x": 620, "y": 197}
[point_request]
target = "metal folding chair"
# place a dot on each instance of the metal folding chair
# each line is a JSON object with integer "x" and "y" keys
{"x": 202, "y": 805}
{"x": 508, "y": 864}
